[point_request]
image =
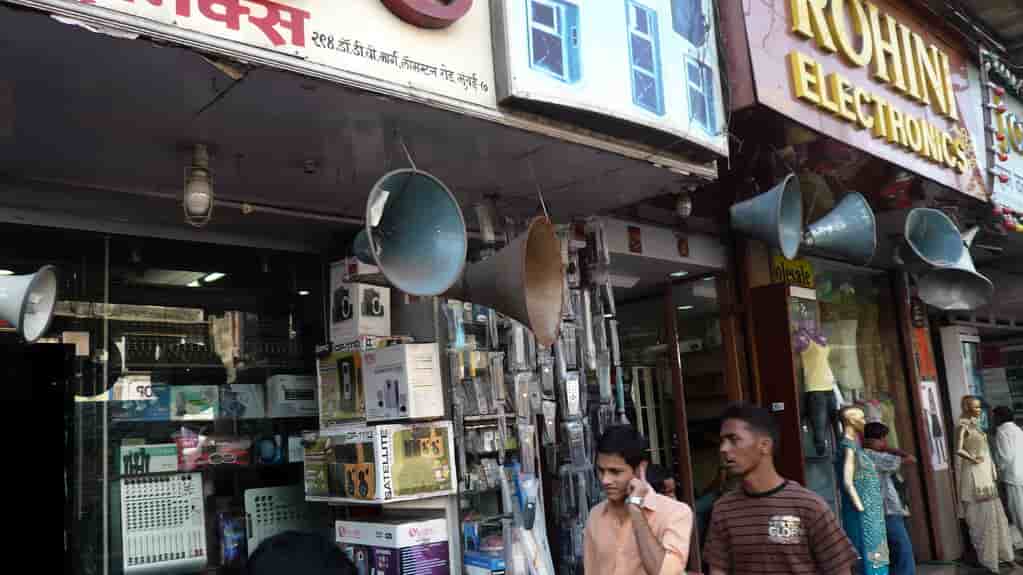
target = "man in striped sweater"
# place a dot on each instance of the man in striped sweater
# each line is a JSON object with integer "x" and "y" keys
{"x": 770, "y": 524}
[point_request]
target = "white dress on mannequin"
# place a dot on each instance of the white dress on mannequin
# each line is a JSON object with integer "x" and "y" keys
{"x": 845, "y": 362}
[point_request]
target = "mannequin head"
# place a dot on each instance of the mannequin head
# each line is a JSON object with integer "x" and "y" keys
{"x": 971, "y": 406}
{"x": 852, "y": 416}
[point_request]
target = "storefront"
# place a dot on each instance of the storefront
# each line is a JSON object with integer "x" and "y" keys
{"x": 870, "y": 110}
{"x": 191, "y": 335}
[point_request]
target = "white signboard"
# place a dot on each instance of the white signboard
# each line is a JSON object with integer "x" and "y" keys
{"x": 360, "y": 38}
{"x": 1007, "y": 165}
{"x": 648, "y": 62}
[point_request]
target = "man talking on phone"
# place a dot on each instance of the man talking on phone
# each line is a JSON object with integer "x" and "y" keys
{"x": 636, "y": 530}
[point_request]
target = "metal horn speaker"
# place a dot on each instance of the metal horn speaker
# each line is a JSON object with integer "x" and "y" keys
{"x": 959, "y": 286}
{"x": 27, "y": 302}
{"x": 774, "y": 217}
{"x": 524, "y": 281}
{"x": 930, "y": 240}
{"x": 848, "y": 230}
{"x": 415, "y": 233}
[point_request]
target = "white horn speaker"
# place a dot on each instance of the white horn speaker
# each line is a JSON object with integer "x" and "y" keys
{"x": 848, "y": 230}
{"x": 774, "y": 217}
{"x": 415, "y": 233}
{"x": 958, "y": 287}
{"x": 524, "y": 281}
{"x": 27, "y": 301}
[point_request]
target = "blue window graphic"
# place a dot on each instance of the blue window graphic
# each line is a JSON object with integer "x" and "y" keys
{"x": 554, "y": 39}
{"x": 645, "y": 58}
{"x": 702, "y": 103}
{"x": 689, "y": 21}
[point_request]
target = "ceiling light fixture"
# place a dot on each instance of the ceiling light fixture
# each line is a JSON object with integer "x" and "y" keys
{"x": 213, "y": 277}
{"x": 193, "y": 283}
{"x": 683, "y": 204}
{"x": 6, "y": 272}
{"x": 198, "y": 193}
{"x": 303, "y": 292}
{"x": 678, "y": 274}
{"x": 684, "y": 307}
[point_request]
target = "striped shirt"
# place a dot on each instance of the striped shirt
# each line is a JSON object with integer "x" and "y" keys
{"x": 786, "y": 530}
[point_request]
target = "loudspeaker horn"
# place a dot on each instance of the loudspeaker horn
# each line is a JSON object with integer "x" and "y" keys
{"x": 848, "y": 230}
{"x": 775, "y": 217}
{"x": 957, "y": 287}
{"x": 930, "y": 240}
{"x": 415, "y": 233}
{"x": 524, "y": 280}
{"x": 27, "y": 302}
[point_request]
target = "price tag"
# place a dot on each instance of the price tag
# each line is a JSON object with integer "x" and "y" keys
{"x": 133, "y": 388}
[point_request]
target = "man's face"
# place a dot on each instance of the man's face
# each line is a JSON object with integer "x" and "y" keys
{"x": 742, "y": 449}
{"x": 877, "y": 444}
{"x": 614, "y": 475}
{"x": 669, "y": 487}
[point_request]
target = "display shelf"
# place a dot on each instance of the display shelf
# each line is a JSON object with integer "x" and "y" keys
{"x": 210, "y": 468}
{"x": 376, "y": 503}
{"x": 490, "y": 417}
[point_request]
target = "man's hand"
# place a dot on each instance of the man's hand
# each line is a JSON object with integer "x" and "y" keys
{"x": 909, "y": 460}
{"x": 638, "y": 487}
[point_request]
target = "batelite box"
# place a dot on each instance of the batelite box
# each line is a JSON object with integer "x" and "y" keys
{"x": 403, "y": 382}
{"x": 194, "y": 402}
{"x": 339, "y": 377}
{"x": 396, "y": 546}
{"x": 291, "y": 396}
{"x": 390, "y": 462}
{"x": 156, "y": 408}
{"x": 356, "y": 309}
{"x": 243, "y": 401}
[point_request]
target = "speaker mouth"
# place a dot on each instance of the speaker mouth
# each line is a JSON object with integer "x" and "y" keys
{"x": 35, "y": 317}
{"x": 955, "y": 289}
{"x": 932, "y": 240}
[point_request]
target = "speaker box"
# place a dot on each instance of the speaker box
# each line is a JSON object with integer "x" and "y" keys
{"x": 357, "y": 310}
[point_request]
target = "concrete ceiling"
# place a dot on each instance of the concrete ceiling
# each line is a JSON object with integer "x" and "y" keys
{"x": 100, "y": 128}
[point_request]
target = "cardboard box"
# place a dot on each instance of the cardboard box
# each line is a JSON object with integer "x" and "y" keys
{"x": 396, "y": 546}
{"x": 194, "y": 402}
{"x": 357, "y": 310}
{"x": 382, "y": 462}
{"x": 479, "y": 563}
{"x": 142, "y": 459}
{"x": 156, "y": 408}
{"x": 291, "y": 396}
{"x": 243, "y": 401}
{"x": 339, "y": 377}
{"x": 403, "y": 382}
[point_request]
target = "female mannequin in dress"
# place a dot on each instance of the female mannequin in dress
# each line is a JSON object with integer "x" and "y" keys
{"x": 862, "y": 499}
{"x": 989, "y": 527}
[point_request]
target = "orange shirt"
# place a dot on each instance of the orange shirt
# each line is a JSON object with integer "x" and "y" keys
{"x": 610, "y": 547}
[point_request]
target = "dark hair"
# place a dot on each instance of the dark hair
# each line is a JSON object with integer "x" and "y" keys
{"x": 1002, "y": 414}
{"x": 298, "y": 553}
{"x": 759, "y": 419}
{"x": 625, "y": 441}
{"x": 655, "y": 476}
{"x": 875, "y": 430}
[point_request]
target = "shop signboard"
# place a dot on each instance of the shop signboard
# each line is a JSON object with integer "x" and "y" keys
{"x": 797, "y": 272}
{"x": 876, "y": 76}
{"x": 370, "y": 42}
{"x": 1006, "y": 113}
{"x": 652, "y": 63}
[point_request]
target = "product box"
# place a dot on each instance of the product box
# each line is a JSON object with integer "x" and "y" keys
{"x": 357, "y": 309}
{"x": 142, "y": 459}
{"x": 296, "y": 452}
{"x": 157, "y": 407}
{"x": 403, "y": 382}
{"x": 196, "y": 450}
{"x": 243, "y": 401}
{"x": 396, "y": 546}
{"x": 339, "y": 376}
{"x": 382, "y": 462}
{"x": 291, "y": 396}
{"x": 479, "y": 563}
{"x": 269, "y": 449}
{"x": 194, "y": 402}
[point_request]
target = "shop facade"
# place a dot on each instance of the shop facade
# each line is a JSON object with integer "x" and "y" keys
{"x": 166, "y": 333}
{"x": 874, "y": 99}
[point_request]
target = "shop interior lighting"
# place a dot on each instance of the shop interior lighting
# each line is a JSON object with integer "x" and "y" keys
{"x": 193, "y": 283}
{"x": 303, "y": 292}
{"x": 213, "y": 277}
{"x": 197, "y": 199}
{"x": 679, "y": 274}
{"x": 684, "y": 307}
{"x": 6, "y": 272}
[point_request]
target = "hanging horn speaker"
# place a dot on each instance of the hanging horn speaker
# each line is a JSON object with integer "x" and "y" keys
{"x": 775, "y": 217}
{"x": 930, "y": 240}
{"x": 415, "y": 233}
{"x": 956, "y": 287}
{"x": 27, "y": 302}
{"x": 849, "y": 230}
{"x": 523, "y": 281}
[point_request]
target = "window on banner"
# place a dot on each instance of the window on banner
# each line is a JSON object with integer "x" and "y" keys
{"x": 700, "y": 83}
{"x": 644, "y": 54}
{"x": 553, "y": 38}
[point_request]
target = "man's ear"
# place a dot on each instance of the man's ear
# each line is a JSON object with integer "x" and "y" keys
{"x": 766, "y": 445}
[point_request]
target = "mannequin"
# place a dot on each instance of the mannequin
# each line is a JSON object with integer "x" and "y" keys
{"x": 862, "y": 499}
{"x": 819, "y": 381}
{"x": 989, "y": 527}
{"x": 845, "y": 362}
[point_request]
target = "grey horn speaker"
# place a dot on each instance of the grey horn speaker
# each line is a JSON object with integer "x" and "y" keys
{"x": 956, "y": 287}
{"x": 848, "y": 230}
{"x": 774, "y": 217}
{"x": 930, "y": 240}
{"x": 27, "y": 302}
{"x": 524, "y": 281}
{"x": 415, "y": 233}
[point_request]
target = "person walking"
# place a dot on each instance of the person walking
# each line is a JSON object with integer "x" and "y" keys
{"x": 1009, "y": 453}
